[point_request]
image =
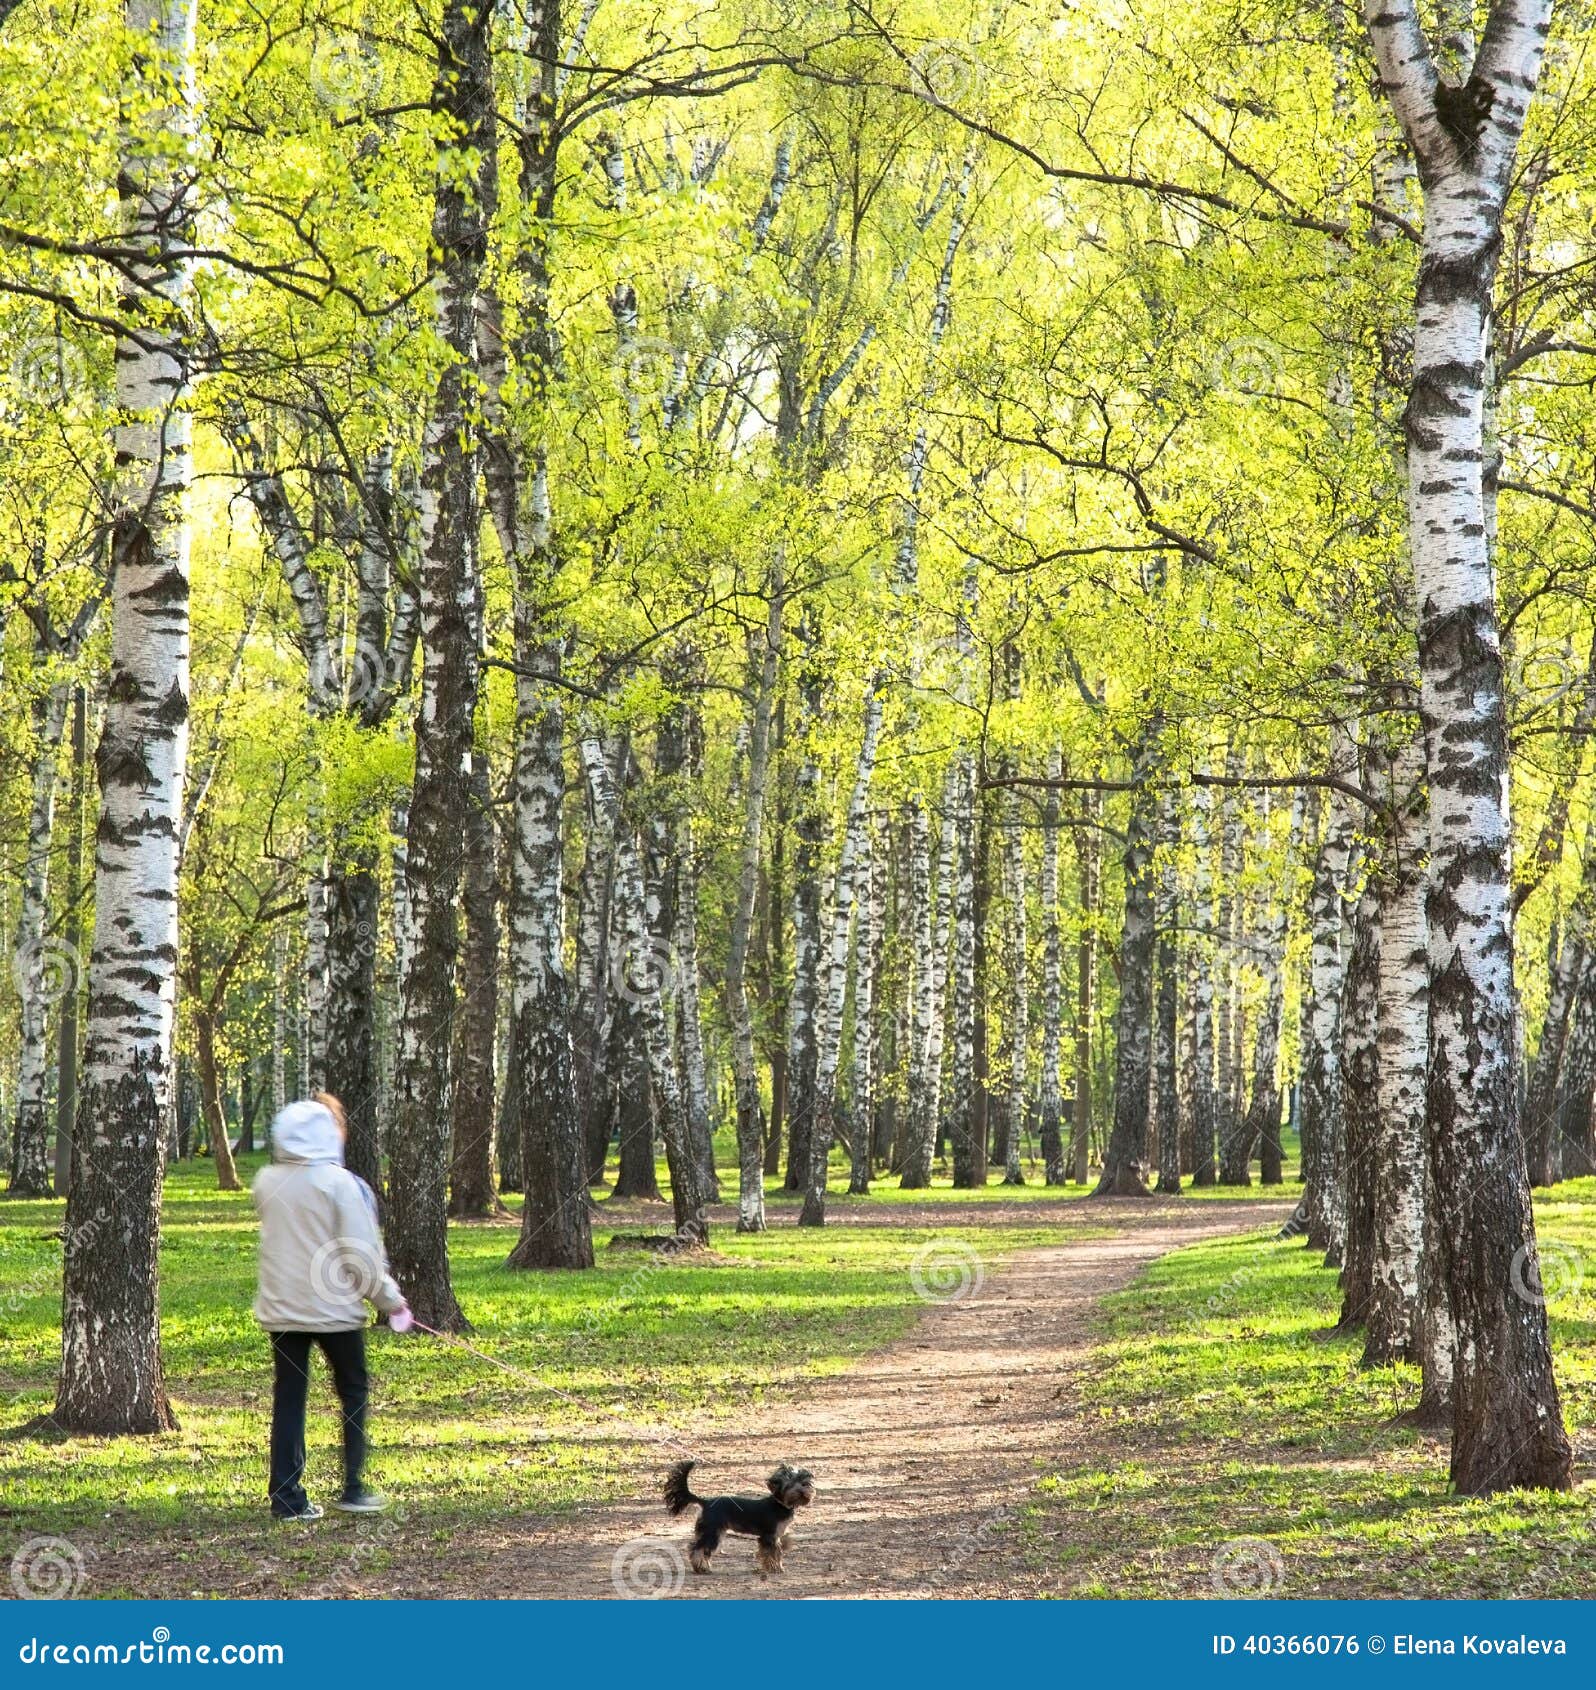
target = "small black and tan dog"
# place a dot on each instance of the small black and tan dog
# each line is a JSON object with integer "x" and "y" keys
{"x": 766, "y": 1518}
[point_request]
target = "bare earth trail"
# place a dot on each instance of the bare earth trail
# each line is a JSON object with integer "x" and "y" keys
{"x": 915, "y": 1448}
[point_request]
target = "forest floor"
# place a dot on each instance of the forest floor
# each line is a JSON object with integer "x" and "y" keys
{"x": 1001, "y": 1393}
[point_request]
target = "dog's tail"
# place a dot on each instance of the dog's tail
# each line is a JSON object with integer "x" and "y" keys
{"x": 677, "y": 1496}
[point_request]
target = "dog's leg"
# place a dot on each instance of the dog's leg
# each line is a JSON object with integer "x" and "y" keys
{"x": 768, "y": 1555}
{"x": 703, "y": 1546}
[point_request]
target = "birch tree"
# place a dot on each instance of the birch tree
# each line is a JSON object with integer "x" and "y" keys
{"x": 1507, "y": 1427}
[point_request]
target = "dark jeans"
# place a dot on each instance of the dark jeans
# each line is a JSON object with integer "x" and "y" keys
{"x": 346, "y": 1355}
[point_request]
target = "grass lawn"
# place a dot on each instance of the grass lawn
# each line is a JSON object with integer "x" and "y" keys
{"x": 651, "y": 1342}
{"x": 1235, "y": 1447}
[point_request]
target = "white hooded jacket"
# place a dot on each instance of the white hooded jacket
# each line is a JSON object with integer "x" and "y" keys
{"x": 321, "y": 1255}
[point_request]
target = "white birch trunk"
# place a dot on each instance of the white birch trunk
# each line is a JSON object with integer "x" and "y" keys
{"x": 1507, "y": 1427}
{"x": 111, "y": 1377}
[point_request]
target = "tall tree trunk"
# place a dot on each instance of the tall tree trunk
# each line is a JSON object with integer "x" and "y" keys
{"x": 1125, "y": 1163}
{"x": 631, "y": 1102}
{"x": 1507, "y": 1423}
{"x": 1088, "y": 870}
{"x": 834, "y": 964}
{"x": 1578, "y": 1079}
{"x": 590, "y": 1010}
{"x": 471, "y": 1191}
{"x": 872, "y": 877}
{"x": 920, "y": 1133}
{"x": 211, "y": 1100}
{"x": 1360, "y": 1062}
{"x": 1201, "y": 961}
{"x": 416, "y": 1217}
{"x": 1393, "y": 1314}
{"x": 803, "y": 1003}
{"x": 1263, "y": 1113}
{"x": 66, "y": 1074}
{"x": 1321, "y": 1060}
{"x": 745, "y": 1061}
{"x": 1051, "y": 1110}
{"x": 349, "y": 1048}
{"x": 1223, "y": 963}
{"x": 963, "y": 1102}
{"x": 1165, "y": 1078}
{"x": 111, "y": 1377}
{"x": 44, "y": 971}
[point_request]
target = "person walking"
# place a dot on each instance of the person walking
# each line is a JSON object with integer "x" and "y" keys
{"x": 321, "y": 1260}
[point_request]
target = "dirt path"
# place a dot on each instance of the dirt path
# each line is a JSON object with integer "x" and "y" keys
{"x": 918, "y": 1450}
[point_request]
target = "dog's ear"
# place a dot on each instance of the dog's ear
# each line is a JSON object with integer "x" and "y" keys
{"x": 778, "y": 1480}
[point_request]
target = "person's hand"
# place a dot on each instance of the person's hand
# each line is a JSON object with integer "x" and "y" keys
{"x": 401, "y": 1320}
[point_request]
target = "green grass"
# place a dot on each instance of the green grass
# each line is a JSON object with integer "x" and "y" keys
{"x": 1220, "y": 1412}
{"x": 647, "y": 1343}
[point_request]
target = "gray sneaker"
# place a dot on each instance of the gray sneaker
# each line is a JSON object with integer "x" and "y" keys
{"x": 362, "y": 1501}
{"x": 311, "y": 1511}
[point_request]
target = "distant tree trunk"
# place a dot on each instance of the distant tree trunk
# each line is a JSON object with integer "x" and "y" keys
{"x": 1165, "y": 1079}
{"x": 834, "y": 963}
{"x": 66, "y": 1073}
{"x": 745, "y": 1059}
{"x": 963, "y": 1102}
{"x": 1125, "y": 1164}
{"x": 689, "y": 1190}
{"x": 111, "y": 1376}
{"x": 43, "y": 972}
{"x": 1201, "y": 962}
{"x": 921, "y": 1128}
{"x": 211, "y": 1099}
{"x": 1565, "y": 967}
{"x": 866, "y": 1032}
{"x": 416, "y": 1215}
{"x": 1088, "y": 871}
{"x": 1360, "y": 1064}
{"x": 590, "y": 1012}
{"x": 1052, "y": 1099}
{"x": 349, "y": 1050}
{"x": 1321, "y": 1062}
{"x": 1263, "y": 1113}
{"x": 803, "y": 1002}
{"x": 1578, "y": 1079}
{"x": 1393, "y": 1314}
{"x": 632, "y": 1101}
{"x": 508, "y": 1131}
{"x": 1019, "y": 1005}
{"x": 1223, "y": 964}
{"x": 471, "y": 1191}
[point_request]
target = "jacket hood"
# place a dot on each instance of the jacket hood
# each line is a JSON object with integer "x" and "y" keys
{"x": 306, "y": 1132}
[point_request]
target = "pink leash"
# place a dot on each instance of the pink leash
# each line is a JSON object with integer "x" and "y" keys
{"x": 543, "y": 1385}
